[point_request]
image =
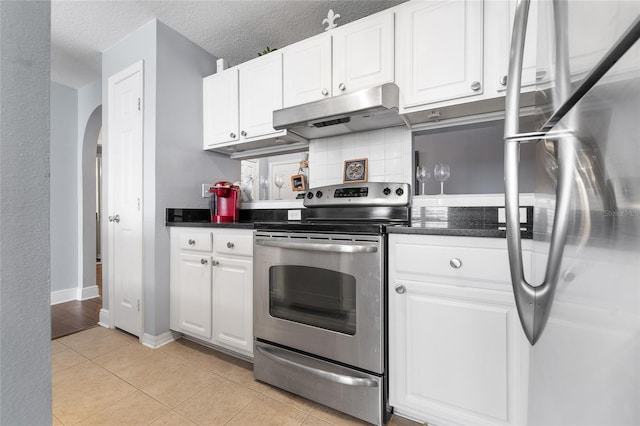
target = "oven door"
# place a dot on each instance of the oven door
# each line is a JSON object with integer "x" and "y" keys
{"x": 321, "y": 294}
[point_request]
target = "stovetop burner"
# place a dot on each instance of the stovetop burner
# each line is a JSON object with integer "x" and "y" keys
{"x": 362, "y": 208}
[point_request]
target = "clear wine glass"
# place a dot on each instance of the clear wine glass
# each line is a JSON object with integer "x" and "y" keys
{"x": 422, "y": 175}
{"x": 264, "y": 184}
{"x": 278, "y": 180}
{"x": 441, "y": 173}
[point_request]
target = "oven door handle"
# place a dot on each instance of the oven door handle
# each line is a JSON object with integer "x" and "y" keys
{"x": 329, "y": 247}
{"x": 327, "y": 375}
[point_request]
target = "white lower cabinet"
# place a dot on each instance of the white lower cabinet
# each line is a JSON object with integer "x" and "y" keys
{"x": 194, "y": 294}
{"x": 233, "y": 303}
{"x": 456, "y": 351}
{"x": 211, "y": 295}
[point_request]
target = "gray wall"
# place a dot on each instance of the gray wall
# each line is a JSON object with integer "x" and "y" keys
{"x": 64, "y": 201}
{"x": 89, "y": 124}
{"x": 174, "y": 163}
{"x": 475, "y": 156}
{"x": 25, "y": 323}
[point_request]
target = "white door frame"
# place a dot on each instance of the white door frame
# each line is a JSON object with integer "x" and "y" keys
{"x": 137, "y": 67}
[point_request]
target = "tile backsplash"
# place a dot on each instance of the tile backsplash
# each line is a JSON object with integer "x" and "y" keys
{"x": 388, "y": 151}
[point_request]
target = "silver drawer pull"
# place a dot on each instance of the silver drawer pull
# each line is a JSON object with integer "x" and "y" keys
{"x": 230, "y": 244}
{"x": 325, "y": 92}
{"x": 232, "y": 135}
{"x": 243, "y": 133}
{"x": 204, "y": 261}
{"x": 475, "y": 86}
{"x": 192, "y": 242}
{"x": 503, "y": 80}
{"x": 215, "y": 263}
{"x": 342, "y": 87}
{"x": 400, "y": 289}
{"x": 455, "y": 263}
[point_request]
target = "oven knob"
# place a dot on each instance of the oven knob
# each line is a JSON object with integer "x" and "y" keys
{"x": 399, "y": 192}
{"x": 318, "y": 194}
{"x": 386, "y": 191}
{"x": 309, "y": 195}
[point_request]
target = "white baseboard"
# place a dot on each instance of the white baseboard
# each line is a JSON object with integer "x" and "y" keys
{"x": 154, "y": 342}
{"x": 88, "y": 292}
{"x": 66, "y": 295}
{"x": 74, "y": 293}
{"x": 105, "y": 318}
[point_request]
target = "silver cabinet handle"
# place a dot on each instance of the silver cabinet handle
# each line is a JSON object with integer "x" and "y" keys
{"x": 204, "y": 261}
{"x": 110, "y": 218}
{"x": 116, "y": 218}
{"x": 215, "y": 263}
{"x": 326, "y": 375}
{"x": 330, "y": 247}
{"x": 342, "y": 87}
{"x": 230, "y": 244}
{"x": 540, "y": 74}
{"x": 475, "y": 86}
{"x": 192, "y": 242}
{"x": 455, "y": 263}
{"x": 400, "y": 289}
{"x": 325, "y": 92}
{"x": 503, "y": 80}
{"x": 243, "y": 133}
{"x": 232, "y": 135}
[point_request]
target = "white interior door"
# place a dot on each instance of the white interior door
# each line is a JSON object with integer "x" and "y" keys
{"x": 124, "y": 150}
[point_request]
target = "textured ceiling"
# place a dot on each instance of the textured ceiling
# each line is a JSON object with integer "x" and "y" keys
{"x": 232, "y": 29}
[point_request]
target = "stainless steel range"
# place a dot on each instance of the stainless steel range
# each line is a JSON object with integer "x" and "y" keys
{"x": 319, "y": 299}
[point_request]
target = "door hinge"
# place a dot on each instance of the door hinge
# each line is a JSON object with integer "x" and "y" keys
{"x": 138, "y": 305}
{"x": 138, "y": 104}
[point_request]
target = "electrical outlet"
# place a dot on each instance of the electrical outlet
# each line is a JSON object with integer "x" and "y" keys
{"x": 205, "y": 190}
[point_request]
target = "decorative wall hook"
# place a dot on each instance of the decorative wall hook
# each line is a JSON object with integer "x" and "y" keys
{"x": 330, "y": 20}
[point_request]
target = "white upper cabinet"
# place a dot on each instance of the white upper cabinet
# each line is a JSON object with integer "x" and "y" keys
{"x": 260, "y": 95}
{"x": 440, "y": 51}
{"x": 238, "y": 106}
{"x": 356, "y": 56}
{"x": 220, "y": 108}
{"x": 307, "y": 70}
{"x": 363, "y": 53}
{"x": 498, "y": 40}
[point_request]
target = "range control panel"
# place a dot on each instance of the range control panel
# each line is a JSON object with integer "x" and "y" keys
{"x": 359, "y": 194}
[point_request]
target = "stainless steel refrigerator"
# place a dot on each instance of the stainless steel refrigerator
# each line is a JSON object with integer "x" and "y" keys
{"x": 580, "y": 306}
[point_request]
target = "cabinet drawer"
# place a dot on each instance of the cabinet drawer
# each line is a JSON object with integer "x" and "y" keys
{"x": 489, "y": 264}
{"x": 238, "y": 244}
{"x": 196, "y": 241}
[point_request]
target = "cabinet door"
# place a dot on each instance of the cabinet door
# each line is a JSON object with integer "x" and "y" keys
{"x": 194, "y": 294}
{"x": 363, "y": 54}
{"x": 454, "y": 354}
{"x": 220, "y": 108}
{"x": 306, "y": 70}
{"x": 260, "y": 95}
{"x": 440, "y": 51}
{"x": 503, "y": 31}
{"x": 233, "y": 304}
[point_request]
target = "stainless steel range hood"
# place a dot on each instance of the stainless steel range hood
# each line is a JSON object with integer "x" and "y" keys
{"x": 366, "y": 109}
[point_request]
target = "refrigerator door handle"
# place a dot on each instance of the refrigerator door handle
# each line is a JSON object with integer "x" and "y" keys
{"x": 533, "y": 303}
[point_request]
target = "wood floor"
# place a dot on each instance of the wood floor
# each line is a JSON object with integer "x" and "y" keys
{"x": 74, "y": 316}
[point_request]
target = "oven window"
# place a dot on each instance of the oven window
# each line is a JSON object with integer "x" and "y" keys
{"x": 313, "y": 296}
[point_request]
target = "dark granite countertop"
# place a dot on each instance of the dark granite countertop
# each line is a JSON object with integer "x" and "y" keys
{"x": 461, "y": 221}
{"x": 452, "y": 221}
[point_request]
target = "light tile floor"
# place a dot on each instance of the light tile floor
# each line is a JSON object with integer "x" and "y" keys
{"x": 106, "y": 377}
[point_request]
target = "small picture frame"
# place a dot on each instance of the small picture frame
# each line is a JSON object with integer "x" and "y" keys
{"x": 355, "y": 170}
{"x": 298, "y": 183}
